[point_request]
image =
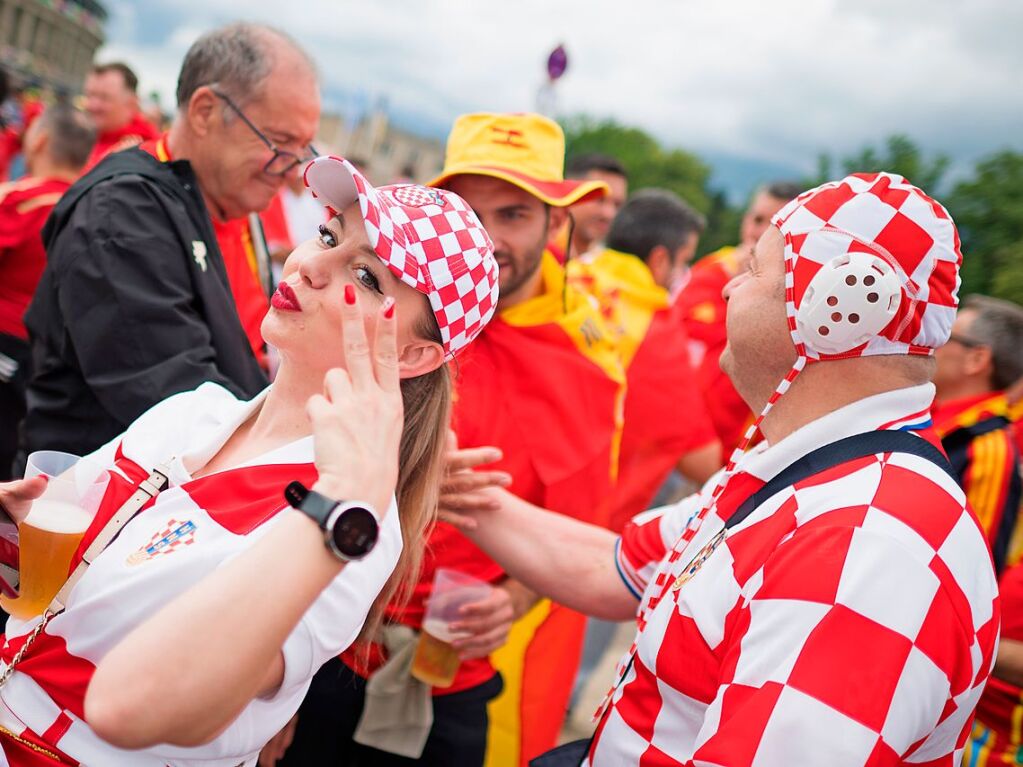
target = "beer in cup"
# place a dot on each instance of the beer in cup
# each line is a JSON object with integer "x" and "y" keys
{"x": 53, "y": 529}
{"x": 436, "y": 661}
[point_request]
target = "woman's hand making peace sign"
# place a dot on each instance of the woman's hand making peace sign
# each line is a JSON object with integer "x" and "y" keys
{"x": 357, "y": 421}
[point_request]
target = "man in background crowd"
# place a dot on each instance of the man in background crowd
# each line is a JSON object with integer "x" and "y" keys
{"x": 56, "y": 148}
{"x": 651, "y": 241}
{"x": 702, "y": 309}
{"x": 19, "y": 107}
{"x": 591, "y": 219}
{"x": 112, "y": 101}
{"x": 135, "y": 303}
{"x": 983, "y": 357}
{"x": 543, "y": 383}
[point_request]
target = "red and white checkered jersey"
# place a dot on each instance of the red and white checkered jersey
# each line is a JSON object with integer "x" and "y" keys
{"x": 850, "y": 620}
{"x": 192, "y": 528}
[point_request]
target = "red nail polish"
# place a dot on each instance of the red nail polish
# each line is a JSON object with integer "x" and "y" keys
{"x": 388, "y": 308}
{"x": 349, "y": 294}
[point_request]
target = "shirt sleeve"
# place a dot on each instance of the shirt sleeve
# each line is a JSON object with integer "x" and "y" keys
{"x": 646, "y": 540}
{"x": 126, "y": 294}
{"x": 830, "y": 663}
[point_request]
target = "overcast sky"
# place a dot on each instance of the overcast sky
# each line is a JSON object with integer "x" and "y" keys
{"x": 767, "y": 83}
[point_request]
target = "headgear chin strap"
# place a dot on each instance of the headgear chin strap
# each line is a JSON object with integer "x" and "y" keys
{"x": 871, "y": 268}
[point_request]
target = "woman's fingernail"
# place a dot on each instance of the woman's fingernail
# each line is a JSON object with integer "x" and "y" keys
{"x": 349, "y": 294}
{"x": 388, "y": 307}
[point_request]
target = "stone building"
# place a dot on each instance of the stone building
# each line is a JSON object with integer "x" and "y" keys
{"x": 51, "y": 41}
{"x": 384, "y": 152}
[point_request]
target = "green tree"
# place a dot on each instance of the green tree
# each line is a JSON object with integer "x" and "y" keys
{"x": 988, "y": 209}
{"x": 899, "y": 154}
{"x": 651, "y": 165}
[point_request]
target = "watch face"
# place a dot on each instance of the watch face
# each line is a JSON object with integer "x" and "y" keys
{"x": 355, "y": 531}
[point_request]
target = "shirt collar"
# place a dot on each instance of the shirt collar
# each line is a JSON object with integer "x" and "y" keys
{"x": 210, "y": 443}
{"x": 907, "y": 408}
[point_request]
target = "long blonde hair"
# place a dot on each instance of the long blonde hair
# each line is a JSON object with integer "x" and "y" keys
{"x": 427, "y": 413}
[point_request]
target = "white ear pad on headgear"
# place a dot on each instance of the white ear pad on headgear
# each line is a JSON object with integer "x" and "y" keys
{"x": 850, "y": 300}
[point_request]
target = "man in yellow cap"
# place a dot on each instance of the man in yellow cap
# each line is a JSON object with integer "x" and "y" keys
{"x": 544, "y": 384}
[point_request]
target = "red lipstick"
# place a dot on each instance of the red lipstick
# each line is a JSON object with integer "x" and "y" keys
{"x": 285, "y": 299}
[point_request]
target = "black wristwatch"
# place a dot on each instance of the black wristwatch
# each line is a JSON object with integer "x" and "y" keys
{"x": 350, "y": 528}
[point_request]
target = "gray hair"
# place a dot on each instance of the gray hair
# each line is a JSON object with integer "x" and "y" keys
{"x": 653, "y": 217}
{"x": 70, "y": 135}
{"x": 238, "y": 58}
{"x": 999, "y": 326}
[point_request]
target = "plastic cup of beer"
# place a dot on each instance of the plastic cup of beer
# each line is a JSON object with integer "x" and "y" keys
{"x": 436, "y": 661}
{"x": 54, "y": 527}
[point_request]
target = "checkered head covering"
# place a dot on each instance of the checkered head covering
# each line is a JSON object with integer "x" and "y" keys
{"x": 871, "y": 267}
{"x": 429, "y": 238}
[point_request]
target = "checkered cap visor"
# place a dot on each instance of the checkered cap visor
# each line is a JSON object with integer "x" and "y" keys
{"x": 886, "y": 217}
{"x": 429, "y": 238}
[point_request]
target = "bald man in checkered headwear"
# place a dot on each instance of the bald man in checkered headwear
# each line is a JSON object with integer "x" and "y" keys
{"x": 829, "y": 597}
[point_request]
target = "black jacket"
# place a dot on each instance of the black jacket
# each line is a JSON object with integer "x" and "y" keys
{"x": 134, "y": 305}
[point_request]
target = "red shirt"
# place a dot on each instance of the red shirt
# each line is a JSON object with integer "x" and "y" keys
{"x": 665, "y": 415}
{"x": 702, "y": 312}
{"x": 134, "y": 133}
{"x": 24, "y": 207}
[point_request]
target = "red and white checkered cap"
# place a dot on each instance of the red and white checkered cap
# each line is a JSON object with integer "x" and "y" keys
{"x": 871, "y": 267}
{"x": 429, "y": 238}
{"x": 909, "y": 242}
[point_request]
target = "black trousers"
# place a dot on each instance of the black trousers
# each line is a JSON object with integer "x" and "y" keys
{"x": 14, "y": 357}
{"x": 331, "y": 711}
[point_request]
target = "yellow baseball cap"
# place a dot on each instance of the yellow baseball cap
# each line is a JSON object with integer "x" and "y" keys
{"x": 527, "y": 150}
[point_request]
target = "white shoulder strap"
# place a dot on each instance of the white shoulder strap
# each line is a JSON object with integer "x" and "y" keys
{"x": 149, "y": 488}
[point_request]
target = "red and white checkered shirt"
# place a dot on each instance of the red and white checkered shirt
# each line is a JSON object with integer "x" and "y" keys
{"x": 850, "y": 620}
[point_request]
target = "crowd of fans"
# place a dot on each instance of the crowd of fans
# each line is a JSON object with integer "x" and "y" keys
{"x": 138, "y": 261}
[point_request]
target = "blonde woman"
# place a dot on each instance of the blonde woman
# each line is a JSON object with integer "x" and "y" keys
{"x": 191, "y": 637}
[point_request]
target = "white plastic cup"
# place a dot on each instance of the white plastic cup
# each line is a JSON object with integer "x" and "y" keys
{"x": 436, "y": 661}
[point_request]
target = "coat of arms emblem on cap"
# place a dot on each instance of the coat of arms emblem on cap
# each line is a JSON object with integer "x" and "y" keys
{"x": 415, "y": 196}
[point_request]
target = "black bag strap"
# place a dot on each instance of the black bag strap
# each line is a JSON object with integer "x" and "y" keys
{"x": 960, "y": 438}
{"x": 835, "y": 453}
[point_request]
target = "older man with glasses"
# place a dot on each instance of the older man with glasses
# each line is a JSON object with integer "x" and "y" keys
{"x": 983, "y": 357}
{"x": 153, "y": 285}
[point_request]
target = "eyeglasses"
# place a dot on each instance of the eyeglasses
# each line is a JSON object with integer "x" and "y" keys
{"x": 969, "y": 343}
{"x": 283, "y": 162}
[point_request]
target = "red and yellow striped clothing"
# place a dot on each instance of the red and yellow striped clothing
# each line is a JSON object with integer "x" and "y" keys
{"x": 702, "y": 310}
{"x": 665, "y": 415}
{"x": 997, "y": 737}
{"x": 981, "y": 446}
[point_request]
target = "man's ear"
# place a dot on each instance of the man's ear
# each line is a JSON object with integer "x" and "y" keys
{"x": 419, "y": 357}
{"x": 558, "y": 217}
{"x": 202, "y": 110}
{"x": 979, "y": 360}
{"x": 659, "y": 262}
{"x": 35, "y": 142}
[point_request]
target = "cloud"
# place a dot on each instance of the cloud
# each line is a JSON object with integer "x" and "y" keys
{"x": 778, "y": 82}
